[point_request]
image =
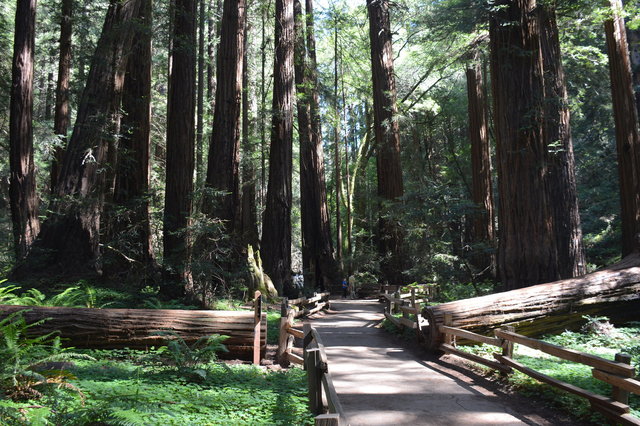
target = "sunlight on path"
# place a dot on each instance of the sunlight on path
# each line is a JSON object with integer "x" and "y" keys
{"x": 379, "y": 383}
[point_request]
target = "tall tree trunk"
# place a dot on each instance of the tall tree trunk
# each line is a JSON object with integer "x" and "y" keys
{"x": 133, "y": 167}
{"x": 263, "y": 105}
{"x": 69, "y": 242}
{"x": 626, "y": 121}
{"x": 390, "y": 185}
{"x": 633, "y": 38}
{"x": 322, "y": 270}
{"x": 22, "y": 189}
{"x": 527, "y": 250}
{"x": 62, "y": 111}
{"x": 200, "y": 99}
{"x": 482, "y": 189}
{"x": 249, "y": 212}
{"x": 336, "y": 144}
{"x": 276, "y": 232}
{"x": 180, "y": 149}
{"x": 563, "y": 198}
{"x": 224, "y": 149}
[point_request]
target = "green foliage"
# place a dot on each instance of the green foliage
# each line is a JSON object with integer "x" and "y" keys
{"x": 182, "y": 355}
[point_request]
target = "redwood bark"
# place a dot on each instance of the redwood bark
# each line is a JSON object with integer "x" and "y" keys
{"x": 336, "y": 144}
{"x": 482, "y": 187}
{"x": 626, "y": 120}
{"x": 133, "y": 168}
{"x": 224, "y": 148}
{"x": 62, "y": 109}
{"x": 560, "y": 159}
{"x": 180, "y": 145}
{"x": 276, "y": 231}
{"x": 200, "y": 99}
{"x": 22, "y": 189}
{"x": 69, "y": 242}
{"x": 390, "y": 185}
{"x": 527, "y": 248}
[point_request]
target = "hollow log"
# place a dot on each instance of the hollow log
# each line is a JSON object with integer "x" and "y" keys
{"x": 546, "y": 308}
{"x": 137, "y": 328}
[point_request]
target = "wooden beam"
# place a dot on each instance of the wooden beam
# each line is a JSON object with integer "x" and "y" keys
{"x": 406, "y": 322}
{"x": 475, "y": 358}
{"x": 470, "y": 335}
{"x": 332, "y": 396}
{"x": 409, "y": 310}
{"x": 295, "y": 359}
{"x": 610, "y": 404}
{"x": 628, "y": 384}
{"x": 296, "y": 333}
{"x": 613, "y": 367}
{"x": 327, "y": 420}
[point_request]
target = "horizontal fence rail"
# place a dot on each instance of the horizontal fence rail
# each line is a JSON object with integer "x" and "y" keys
{"x": 619, "y": 373}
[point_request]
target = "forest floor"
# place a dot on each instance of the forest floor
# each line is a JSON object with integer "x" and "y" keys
{"x": 382, "y": 379}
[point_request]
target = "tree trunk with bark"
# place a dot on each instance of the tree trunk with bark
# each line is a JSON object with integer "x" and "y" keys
{"x": 69, "y": 242}
{"x": 390, "y": 186}
{"x": 336, "y": 144}
{"x": 483, "y": 230}
{"x": 62, "y": 109}
{"x": 633, "y": 38}
{"x": 626, "y": 120}
{"x": 527, "y": 249}
{"x": 180, "y": 150}
{"x": 142, "y": 328}
{"x": 276, "y": 231}
{"x": 560, "y": 160}
{"x": 546, "y": 308}
{"x": 223, "y": 178}
{"x": 130, "y": 230}
{"x": 22, "y": 189}
{"x": 200, "y": 98}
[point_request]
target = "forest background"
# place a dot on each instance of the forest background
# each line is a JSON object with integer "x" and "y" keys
{"x": 434, "y": 44}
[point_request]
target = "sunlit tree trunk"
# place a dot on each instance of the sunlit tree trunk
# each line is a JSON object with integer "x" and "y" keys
{"x": 22, "y": 189}
{"x": 560, "y": 160}
{"x": 527, "y": 249}
{"x": 390, "y": 185}
{"x": 62, "y": 111}
{"x": 626, "y": 120}
{"x": 483, "y": 230}
{"x": 336, "y": 144}
{"x": 180, "y": 149}
{"x": 276, "y": 231}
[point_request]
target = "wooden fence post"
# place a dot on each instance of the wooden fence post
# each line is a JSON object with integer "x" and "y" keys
{"x": 285, "y": 341}
{"x": 449, "y": 339}
{"x": 257, "y": 323}
{"x": 618, "y": 394}
{"x": 507, "y": 349}
{"x": 413, "y": 297}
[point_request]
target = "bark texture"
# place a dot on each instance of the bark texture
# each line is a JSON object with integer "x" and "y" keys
{"x": 276, "y": 225}
{"x": 139, "y": 328}
{"x": 133, "y": 168}
{"x": 633, "y": 37}
{"x": 626, "y": 120}
{"x": 482, "y": 188}
{"x": 180, "y": 145}
{"x": 387, "y": 134}
{"x": 69, "y": 241}
{"x": 223, "y": 176}
{"x": 560, "y": 159}
{"x": 527, "y": 249}
{"x": 22, "y": 186}
{"x": 546, "y": 308}
{"x": 62, "y": 109}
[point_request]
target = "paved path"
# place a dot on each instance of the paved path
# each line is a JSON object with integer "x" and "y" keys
{"x": 380, "y": 383}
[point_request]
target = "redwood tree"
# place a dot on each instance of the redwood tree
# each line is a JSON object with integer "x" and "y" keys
{"x": 180, "y": 145}
{"x": 276, "y": 225}
{"x": 390, "y": 186}
{"x": 560, "y": 160}
{"x": 62, "y": 111}
{"x": 22, "y": 190}
{"x": 224, "y": 147}
{"x": 626, "y": 120}
{"x": 527, "y": 249}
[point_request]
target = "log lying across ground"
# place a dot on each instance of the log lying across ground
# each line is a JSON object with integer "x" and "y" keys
{"x": 139, "y": 328}
{"x": 546, "y": 308}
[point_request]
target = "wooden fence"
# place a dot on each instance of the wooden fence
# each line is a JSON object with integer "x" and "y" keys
{"x": 407, "y": 303}
{"x": 289, "y": 311}
{"x": 323, "y": 398}
{"x": 619, "y": 373}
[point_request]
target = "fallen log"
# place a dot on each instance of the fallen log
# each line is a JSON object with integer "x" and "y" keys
{"x": 545, "y": 308}
{"x": 138, "y": 328}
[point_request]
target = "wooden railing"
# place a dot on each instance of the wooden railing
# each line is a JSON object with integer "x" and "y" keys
{"x": 323, "y": 398}
{"x": 289, "y": 311}
{"x": 407, "y": 303}
{"x": 619, "y": 373}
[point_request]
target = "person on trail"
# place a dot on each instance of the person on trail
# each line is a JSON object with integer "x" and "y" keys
{"x": 345, "y": 288}
{"x": 352, "y": 286}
